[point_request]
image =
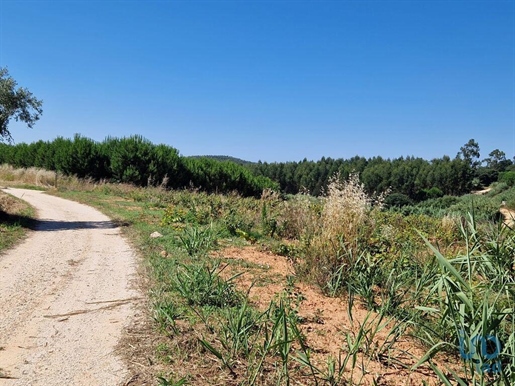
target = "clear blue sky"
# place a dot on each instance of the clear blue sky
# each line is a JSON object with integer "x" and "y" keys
{"x": 271, "y": 80}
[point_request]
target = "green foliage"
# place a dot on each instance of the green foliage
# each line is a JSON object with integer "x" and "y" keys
{"x": 433, "y": 192}
{"x": 497, "y": 161}
{"x": 487, "y": 176}
{"x": 478, "y": 302}
{"x": 166, "y": 382}
{"x": 174, "y": 216}
{"x": 413, "y": 177}
{"x": 242, "y": 323}
{"x": 397, "y": 200}
{"x": 135, "y": 160}
{"x": 215, "y": 176}
{"x": 508, "y": 178}
{"x": 201, "y": 285}
{"x": 166, "y": 313}
{"x": 235, "y": 222}
{"x": 483, "y": 207}
{"x": 138, "y": 161}
{"x": 441, "y": 279}
{"x": 470, "y": 153}
{"x": 17, "y": 103}
{"x": 225, "y": 158}
{"x": 198, "y": 241}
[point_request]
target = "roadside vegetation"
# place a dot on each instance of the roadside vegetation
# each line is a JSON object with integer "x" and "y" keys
{"x": 16, "y": 218}
{"x": 347, "y": 288}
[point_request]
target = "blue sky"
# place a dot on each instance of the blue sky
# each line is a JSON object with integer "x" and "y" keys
{"x": 269, "y": 80}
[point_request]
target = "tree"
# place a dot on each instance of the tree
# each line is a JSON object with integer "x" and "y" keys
{"x": 470, "y": 153}
{"x": 497, "y": 160}
{"x": 17, "y": 103}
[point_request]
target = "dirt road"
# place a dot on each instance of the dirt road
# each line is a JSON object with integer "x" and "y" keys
{"x": 65, "y": 298}
{"x": 509, "y": 217}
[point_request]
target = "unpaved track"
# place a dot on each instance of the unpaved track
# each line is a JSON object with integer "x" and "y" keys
{"x": 509, "y": 217}
{"x": 65, "y": 298}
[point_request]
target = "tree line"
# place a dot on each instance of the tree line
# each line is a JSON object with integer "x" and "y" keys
{"x": 134, "y": 160}
{"x": 137, "y": 161}
{"x": 414, "y": 178}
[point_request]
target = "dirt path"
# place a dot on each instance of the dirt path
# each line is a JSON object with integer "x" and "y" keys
{"x": 509, "y": 217}
{"x": 65, "y": 298}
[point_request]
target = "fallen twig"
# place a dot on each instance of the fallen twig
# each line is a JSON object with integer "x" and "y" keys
{"x": 79, "y": 312}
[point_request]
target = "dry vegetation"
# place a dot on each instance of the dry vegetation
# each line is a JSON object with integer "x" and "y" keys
{"x": 15, "y": 219}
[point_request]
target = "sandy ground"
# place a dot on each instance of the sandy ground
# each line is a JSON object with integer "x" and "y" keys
{"x": 326, "y": 322}
{"x": 65, "y": 298}
{"x": 509, "y": 217}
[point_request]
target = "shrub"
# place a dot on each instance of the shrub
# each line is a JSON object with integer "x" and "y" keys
{"x": 397, "y": 200}
{"x": 508, "y": 178}
{"x": 198, "y": 241}
{"x": 434, "y": 192}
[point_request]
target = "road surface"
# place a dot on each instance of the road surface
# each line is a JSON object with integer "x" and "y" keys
{"x": 66, "y": 295}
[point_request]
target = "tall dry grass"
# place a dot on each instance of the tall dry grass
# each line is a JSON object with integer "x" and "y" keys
{"x": 345, "y": 224}
{"x": 36, "y": 177}
{"x": 30, "y": 176}
{"x": 346, "y": 210}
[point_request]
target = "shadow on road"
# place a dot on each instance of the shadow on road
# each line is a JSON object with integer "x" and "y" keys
{"x": 50, "y": 225}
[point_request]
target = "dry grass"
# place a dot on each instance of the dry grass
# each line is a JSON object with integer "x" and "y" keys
{"x": 346, "y": 222}
{"x": 36, "y": 177}
{"x": 16, "y": 216}
{"x": 346, "y": 210}
{"x": 10, "y": 205}
{"x": 300, "y": 217}
{"x": 30, "y": 176}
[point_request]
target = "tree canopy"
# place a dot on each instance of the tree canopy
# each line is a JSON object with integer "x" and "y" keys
{"x": 137, "y": 161}
{"x": 17, "y": 103}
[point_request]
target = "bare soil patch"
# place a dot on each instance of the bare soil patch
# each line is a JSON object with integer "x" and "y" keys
{"x": 326, "y": 321}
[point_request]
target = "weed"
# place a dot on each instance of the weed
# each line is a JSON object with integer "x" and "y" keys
{"x": 166, "y": 314}
{"x": 16, "y": 217}
{"x": 457, "y": 299}
{"x": 476, "y": 310}
{"x": 201, "y": 285}
{"x": 198, "y": 241}
{"x": 166, "y": 382}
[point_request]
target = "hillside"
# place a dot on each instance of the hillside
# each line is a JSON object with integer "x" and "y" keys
{"x": 224, "y": 158}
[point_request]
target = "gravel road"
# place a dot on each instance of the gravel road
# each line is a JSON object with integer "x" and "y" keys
{"x": 65, "y": 298}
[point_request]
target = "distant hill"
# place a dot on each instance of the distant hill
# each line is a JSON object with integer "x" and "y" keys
{"x": 224, "y": 158}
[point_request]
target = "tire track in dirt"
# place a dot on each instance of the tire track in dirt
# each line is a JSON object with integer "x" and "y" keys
{"x": 65, "y": 297}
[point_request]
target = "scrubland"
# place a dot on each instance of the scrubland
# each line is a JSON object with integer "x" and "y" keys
{"x": 298, "y": 290}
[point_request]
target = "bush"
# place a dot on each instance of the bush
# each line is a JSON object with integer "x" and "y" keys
{"x": 508, "y": 178}
{"x": 397, "y": 200}
{"x": 434, "y": 192}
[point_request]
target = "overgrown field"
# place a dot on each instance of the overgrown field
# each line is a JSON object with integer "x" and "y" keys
{"x": 338, "y": 290}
